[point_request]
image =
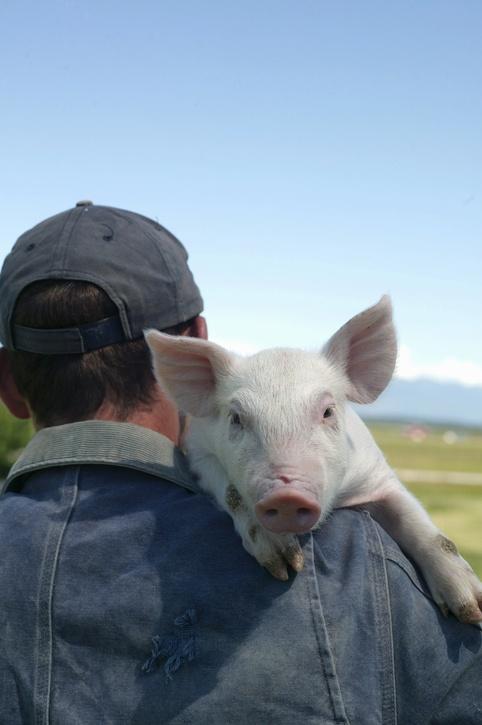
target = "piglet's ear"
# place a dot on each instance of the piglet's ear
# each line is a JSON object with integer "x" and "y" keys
{"x": 188, "y": 369}
{"x": 366, "y": 350}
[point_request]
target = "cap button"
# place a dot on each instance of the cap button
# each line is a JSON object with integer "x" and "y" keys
{"x": 84, "y": 202}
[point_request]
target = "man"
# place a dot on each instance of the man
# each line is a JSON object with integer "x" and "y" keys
{"x": 125, "y": 594}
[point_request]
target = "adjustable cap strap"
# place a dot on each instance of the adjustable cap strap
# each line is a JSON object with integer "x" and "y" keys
{"x": 69, "y": 340}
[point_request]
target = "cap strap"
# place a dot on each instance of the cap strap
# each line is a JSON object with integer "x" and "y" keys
{"x": 69, "y": 340}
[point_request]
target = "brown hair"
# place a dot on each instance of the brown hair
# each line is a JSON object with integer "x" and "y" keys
{"x": 67, "y": 388}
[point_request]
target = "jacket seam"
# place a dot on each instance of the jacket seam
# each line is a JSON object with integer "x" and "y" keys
{"x": 42, "y": 706}
{"x": 151, "y": 469}
{"x": 409, "y": 571}
{"x": 326, "y": 656}
{"x": 389, "y": 708}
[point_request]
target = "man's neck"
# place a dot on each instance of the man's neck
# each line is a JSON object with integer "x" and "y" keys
{"x": 160, "y": 416}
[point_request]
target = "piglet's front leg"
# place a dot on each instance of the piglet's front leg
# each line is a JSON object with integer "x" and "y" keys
{"x": 273, "y": 551}
{"x": 452, "y": 582}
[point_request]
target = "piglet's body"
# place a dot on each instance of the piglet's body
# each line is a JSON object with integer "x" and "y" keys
{"x": 274, "y": 440}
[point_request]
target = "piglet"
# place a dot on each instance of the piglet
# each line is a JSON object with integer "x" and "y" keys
{"x": 274, "y": 440}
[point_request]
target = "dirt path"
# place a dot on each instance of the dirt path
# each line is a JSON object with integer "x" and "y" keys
{"x": 409, "y": 475}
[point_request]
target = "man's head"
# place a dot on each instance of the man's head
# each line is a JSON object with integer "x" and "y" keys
{"x": 76, "y": 292}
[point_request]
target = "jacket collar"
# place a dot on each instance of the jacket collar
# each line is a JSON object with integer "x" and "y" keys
{"x": 104, "y": 443}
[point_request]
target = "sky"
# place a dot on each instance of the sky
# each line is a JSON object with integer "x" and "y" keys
{"x": 311, "y": 155}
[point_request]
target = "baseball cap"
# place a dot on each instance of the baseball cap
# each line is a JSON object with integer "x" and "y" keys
{"x": 138, "y": 263}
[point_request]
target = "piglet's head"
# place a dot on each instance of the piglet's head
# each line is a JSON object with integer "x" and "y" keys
{"x": 275, "y": 421}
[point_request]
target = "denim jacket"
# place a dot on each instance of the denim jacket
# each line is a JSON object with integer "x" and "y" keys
{"x": 127, "y": 597}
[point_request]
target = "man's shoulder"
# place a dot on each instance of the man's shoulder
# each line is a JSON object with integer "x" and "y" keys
{"x": 147, "y": 551}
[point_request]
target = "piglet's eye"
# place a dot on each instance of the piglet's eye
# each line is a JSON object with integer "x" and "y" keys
{"x": 329, "y": 413}
{"x": 235, "y": 419}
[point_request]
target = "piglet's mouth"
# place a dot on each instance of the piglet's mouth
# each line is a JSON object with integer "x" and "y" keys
{"x": 288, "y": 510}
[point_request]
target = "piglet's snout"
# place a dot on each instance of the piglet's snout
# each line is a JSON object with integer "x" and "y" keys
{"x": 287, "y": 510}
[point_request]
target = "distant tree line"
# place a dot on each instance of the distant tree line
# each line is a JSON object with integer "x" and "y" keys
{"x": 14, "y": 436}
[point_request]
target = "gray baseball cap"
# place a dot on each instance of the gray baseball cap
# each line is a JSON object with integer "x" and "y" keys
{"x": 139, "y": 264}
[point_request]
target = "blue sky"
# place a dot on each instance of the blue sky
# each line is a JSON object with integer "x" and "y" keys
{"x": 311, "y": 155}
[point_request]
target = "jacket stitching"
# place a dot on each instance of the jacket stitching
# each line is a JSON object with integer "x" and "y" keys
{"x": 384, "y": 625}
{"x": 326, "y": 655}
{"x": 43, "y": 673}
{"x": 151, "y": 468}
{"x": 405, "y": 566}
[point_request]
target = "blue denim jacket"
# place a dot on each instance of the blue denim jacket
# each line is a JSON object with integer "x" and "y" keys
{"x": 127, "y": 597}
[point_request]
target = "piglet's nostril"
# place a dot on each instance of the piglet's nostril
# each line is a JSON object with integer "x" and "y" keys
{"x": 271, "y": 513}
{"x": 304, "y": 516}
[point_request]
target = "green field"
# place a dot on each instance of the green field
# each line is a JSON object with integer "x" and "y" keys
{"x": 464, "y": 454}
{"x": 456, "y": 509}
{"x": 14, "y": 435}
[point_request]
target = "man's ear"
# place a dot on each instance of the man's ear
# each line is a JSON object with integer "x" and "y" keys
{"x": 188, "y": 370}
{"x": 8, "y": 389}
{"x": 365, "y": 349}
{"x": 198, "y": 328}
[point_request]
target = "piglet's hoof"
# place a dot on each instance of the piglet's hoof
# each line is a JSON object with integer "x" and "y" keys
{"x": 277, "y": 552}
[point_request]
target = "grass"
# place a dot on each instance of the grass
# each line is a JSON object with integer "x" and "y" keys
{"x": 456, "y": 509}
{"x": 14, "y": 435}
{"x": 433, "y": 453}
